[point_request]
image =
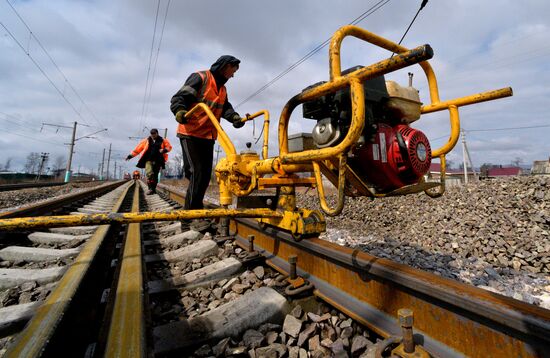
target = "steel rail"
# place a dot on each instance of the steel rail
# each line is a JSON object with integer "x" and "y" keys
{"x": 452, "y": 319}
{"x": 17, "y": 186}
{"x": 127, "y": 329}
{"x": 57, "y": 203}
{"x": 32, "y": 341}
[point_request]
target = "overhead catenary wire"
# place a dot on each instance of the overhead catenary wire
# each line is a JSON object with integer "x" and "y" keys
{"x": 43, "y": 72}
{"x": 156, "y": 60}
{"x": 496, "y": 129}
{"x": 33, "y": 35}
{"x": 422, "y": 5}
{"x": 149, "y": 66}
{"x": 360, "y": 18}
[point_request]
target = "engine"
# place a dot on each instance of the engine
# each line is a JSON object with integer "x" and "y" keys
{"x": 390, "y": 153}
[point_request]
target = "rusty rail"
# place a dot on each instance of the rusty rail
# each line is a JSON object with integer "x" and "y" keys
{"x": 452, "y": 319}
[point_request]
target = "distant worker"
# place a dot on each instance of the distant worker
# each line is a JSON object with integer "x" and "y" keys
{"x": 154, "y": 154}
{"x": 197, "y": 133}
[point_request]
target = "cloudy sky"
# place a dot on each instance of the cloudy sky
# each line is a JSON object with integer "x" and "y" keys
{"x": 101, "y": 53}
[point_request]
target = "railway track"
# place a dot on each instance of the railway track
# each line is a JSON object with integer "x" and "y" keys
{"x": 153, "y": 289}
{"x": 17, "y": 186}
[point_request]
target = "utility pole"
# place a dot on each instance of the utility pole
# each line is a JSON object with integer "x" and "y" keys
{"x": 102, "y": 165}
{"x": 43, "y": 159}
{"x": 71, "y": 150}
{"x": 108, "y": 162}
{"x": 98, "y": 171}
{"x": 115, "y": 172}
{"x": 71, "y": 145}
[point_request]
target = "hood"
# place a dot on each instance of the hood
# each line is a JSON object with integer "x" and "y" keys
{"x": 222, "y": 61}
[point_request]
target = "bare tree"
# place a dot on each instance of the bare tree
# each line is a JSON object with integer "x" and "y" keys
{"x": 177, "y": 165}
{"x": 32, "y": 164}
{"x": 516, "y": 162}
{"x": 7, "y": 165}
{"x": 59, "y": 163}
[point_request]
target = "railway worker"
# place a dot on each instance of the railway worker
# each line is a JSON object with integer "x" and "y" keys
{"x": 197, "y": 133}
{"x": 154, "y": 154}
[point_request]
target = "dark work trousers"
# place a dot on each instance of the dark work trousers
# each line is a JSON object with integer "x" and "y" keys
{"x": 152, "y": 170}
{"x": 199, "y": 153}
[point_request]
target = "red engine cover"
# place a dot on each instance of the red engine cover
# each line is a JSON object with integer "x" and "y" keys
{"x": 399, "y": 156}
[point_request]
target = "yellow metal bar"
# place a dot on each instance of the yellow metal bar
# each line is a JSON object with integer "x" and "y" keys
{"x": 32, "y": 341}
{"x": 442, "y": 175}
{"x": 455, "y": 133}
{"x": 341, "y": 186}
{"x": 380, "y": 68}
{"x": 265, "y": 130}
{"x": 354, "y": 132}
{"x": 350, "y": 30}
{"x": 126, "y": 218}
{"x": 464, "y": 101}
{"x": 127, "y": 330}
{"x": 225, "y": 142}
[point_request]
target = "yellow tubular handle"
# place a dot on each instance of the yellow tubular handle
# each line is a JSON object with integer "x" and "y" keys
{"x": 350, "y": 30}
{"x": 455, "y": 132}
{"x": 472, "y": 99}
{"x": 266, "y": 129}
{"x": 354, "y": 132}
{"x": 442, "y": 175}
{"x": 225, "y": 142}
{"x": 341, "y": 186}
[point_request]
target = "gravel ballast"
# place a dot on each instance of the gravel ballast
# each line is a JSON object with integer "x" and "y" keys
{"x": 492, "y": 234}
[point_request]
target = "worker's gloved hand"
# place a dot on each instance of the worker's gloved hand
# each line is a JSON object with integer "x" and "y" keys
{"x": 129, "y": 157}
{"x": 180, "y": 116}
{"x": 237, "y": 121}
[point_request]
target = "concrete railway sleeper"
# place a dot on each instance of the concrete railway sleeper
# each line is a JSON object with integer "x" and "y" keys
{"x": 226, "y": 299}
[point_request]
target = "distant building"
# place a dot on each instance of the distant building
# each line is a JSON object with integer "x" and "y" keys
{"x": 541, "y": 167}
{"x": 504, "y": 171}
{"x": 453, "y": 177}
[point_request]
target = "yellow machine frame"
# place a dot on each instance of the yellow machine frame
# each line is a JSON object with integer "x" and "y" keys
{"x": 239, "y": 175}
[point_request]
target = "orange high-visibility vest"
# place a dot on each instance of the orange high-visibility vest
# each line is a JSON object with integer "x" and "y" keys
{"x": 198, "y": 124}
{"x": 144, "y": 145}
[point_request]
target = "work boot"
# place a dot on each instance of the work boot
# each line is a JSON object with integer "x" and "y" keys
{"x": 201, "y": 225}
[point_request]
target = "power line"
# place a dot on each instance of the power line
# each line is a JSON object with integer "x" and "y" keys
{"x": 32, "y": 138}
{"x": 360, "y": 18}
{"x": 424, "y": 2}
{"x": 54, "y": 63}
{"x": 149, "y": 66}
{"x": 506, "y": 129}
{"x": 495, "y": 129}
{"x": 156, "y": 59}
{"x": 41, "y": 70}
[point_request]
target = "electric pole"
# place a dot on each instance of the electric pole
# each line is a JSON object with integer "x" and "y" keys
{"x": 71, "y": 150}
{"x": 71, "y": 145}
{"x": 114, "y": 172}
{"x": 102, "y": 165}
{"x": 43, "y": 159}
{"x": 108, "y": 162}
{"x": 165, "y": 134}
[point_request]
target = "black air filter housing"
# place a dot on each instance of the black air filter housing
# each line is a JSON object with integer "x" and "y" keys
{"x": 338, "y": 105}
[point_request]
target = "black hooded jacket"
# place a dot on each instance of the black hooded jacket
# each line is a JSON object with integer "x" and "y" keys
{"x": 186, "y": 97}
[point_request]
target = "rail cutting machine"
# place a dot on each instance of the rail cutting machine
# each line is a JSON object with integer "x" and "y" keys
{"x": 364, "y": 141}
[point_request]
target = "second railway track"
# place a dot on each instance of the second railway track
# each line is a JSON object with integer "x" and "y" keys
{"x": 153, "y": 289}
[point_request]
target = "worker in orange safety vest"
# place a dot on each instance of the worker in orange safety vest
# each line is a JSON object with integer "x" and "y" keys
{"x": 197, "y": 133}
{"x": 154, "y": 154}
